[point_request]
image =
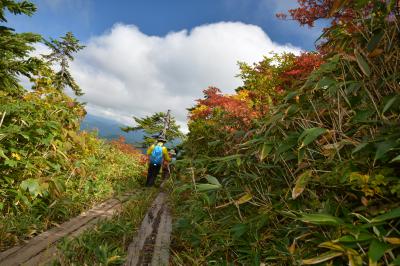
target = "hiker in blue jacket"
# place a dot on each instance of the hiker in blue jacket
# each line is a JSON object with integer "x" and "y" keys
{"x": 157, "y": 153}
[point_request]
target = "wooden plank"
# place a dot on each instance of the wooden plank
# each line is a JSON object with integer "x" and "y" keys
{"x": 156, "y": 224}
{"x": 145, "y": 230}
{"x": 47, "y": 256}
{"x": 36, "y": 248}
{"x": 161, "y": 247}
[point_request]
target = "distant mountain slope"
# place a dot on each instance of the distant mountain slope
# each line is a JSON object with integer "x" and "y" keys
{"x": 110, "y": 129}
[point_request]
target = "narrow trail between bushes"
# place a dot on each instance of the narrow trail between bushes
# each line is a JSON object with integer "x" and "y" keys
{"x": 149, "y": 247}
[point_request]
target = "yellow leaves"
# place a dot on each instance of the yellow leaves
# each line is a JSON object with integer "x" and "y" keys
{"x": 16, "y": 156}
{"x": 322, "y": 258}
{"x": 336, "y": 250}
{"x": 392, "y": 240}
{"x": 368, "y": 191}
{"x": 370, "y": 185}
{"x": 113, "y": 259}
{"x": 354, "y": 260}
{"x": 355, "y": 176}
{"x": 198, "y": 110}
{"x": 301, "y": 183}
{"x": 201, "y": 108}
{"x": 292, "y": 247}
{"x": 242, "y": 95}
{"x": 372, "y": 263}
{"x": 375, "y": 53}
{"x": 329, "y": 150}
{"x": 243, "y": 199}
{"x": 332, "y": 246}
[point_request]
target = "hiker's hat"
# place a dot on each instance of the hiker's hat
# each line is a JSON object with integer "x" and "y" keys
{"x": 161, "y": 139}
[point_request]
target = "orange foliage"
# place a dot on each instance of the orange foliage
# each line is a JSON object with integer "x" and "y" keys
{"x": 121, "y": 145}
{"x": 234, "y": 107}
{"x": 303, "y": 65}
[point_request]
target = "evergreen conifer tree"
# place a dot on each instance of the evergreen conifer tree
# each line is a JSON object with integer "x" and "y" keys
{"x": 153, "y": 126}
{"x": 15, "y": 48}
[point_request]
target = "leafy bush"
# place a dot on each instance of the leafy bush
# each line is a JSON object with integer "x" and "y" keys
{"x": 316, "y": 177}
{"x": 49, "y": 170}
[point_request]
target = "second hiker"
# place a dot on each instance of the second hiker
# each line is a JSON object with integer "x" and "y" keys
{"x": 157, "y": 154}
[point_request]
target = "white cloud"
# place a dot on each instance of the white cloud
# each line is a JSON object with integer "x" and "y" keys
{"x": 125, "y": 72}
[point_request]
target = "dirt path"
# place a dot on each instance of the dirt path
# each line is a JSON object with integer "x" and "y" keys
{"x": 42, "y": 248}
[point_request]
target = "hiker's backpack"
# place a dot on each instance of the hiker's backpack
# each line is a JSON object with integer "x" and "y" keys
{"x": 156, "y": 155}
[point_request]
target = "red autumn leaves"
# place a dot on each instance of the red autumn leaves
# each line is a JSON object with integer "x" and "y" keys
{"x": 237, "y": 111}
{"x": 236, "y": 108}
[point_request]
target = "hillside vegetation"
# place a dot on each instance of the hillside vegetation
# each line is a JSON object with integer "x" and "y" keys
{"x": 300, "y": 166}
{"x": 49, "y": 170}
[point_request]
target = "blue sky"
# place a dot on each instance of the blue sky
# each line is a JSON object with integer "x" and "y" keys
{"x": 148, "y": 56}
{"x": 86, "y": 18}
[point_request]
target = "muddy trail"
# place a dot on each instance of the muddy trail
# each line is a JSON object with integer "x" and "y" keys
{"x": 149, "y": 247}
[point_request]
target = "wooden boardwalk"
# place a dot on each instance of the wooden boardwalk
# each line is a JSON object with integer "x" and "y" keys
{"x": 151, "y": 245}
{"x": 41, "y": 249}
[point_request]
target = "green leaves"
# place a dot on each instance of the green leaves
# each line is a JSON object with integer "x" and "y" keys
{"x": 359, "y": 147}
{"x": 362, "y": 63}
{"x": 377, "y": 249}
{"x": 34, "y": 188}
{"x": 11, "y": 163}
{"x": 16, "y": 8}
{"x": 213, "y": 180}
{"x": 62, "y": 52}
{"x": 396, "y": 159}
{"x": 343, "y": 124}
{"x": 384, "y": 147}
{"x": 390, "y": 103}
{"x": 44, "y": 172}
{"x": 239, "y": 229}
{"x": 374, "y": 42}
{"x": 265, "y": 150}
{"x": 392, "y": 214}
{"x": 360, "y": 237}
{"x": 154, "y": 125}
{"x": 213, "y": 185}
{"x": 321, "y": 219}
{"x": 309, "y": 135}
{"x": 207, "y": 187}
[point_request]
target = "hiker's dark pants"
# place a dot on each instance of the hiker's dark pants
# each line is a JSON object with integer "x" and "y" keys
{"x": 152, "y": 173}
